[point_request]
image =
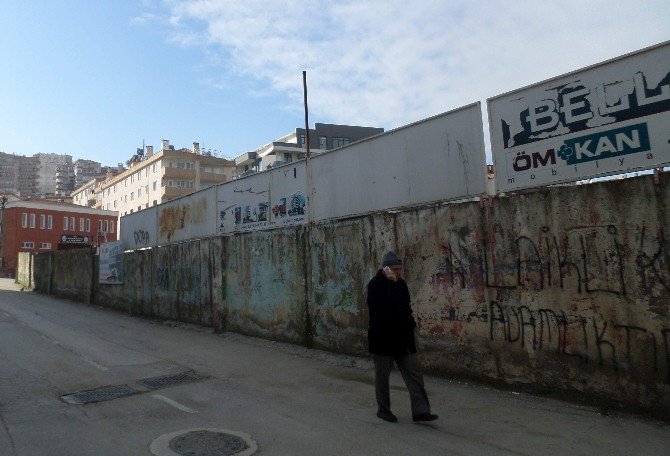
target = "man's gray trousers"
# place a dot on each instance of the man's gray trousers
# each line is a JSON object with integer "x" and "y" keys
{"x": 410, "y": 369}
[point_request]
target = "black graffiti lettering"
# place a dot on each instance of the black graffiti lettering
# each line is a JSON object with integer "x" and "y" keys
{"x": 498, "y": 316}
{"x": 529, "y": 323}
{"x": 628, "y": 329}
{"x": 600, "y": 342}
{"x": 142, "y": 237}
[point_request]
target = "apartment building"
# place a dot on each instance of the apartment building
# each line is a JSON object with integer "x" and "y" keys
{"x": 27, "y": 176}
{"x": 41, "y": 226}
{"x": 153, "y": 178}
{"x": 293, "y": 146}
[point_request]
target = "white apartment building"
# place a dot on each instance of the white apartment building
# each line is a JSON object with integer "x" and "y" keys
{"x": 156, "y": 178}
{"x": 47, "y": 170}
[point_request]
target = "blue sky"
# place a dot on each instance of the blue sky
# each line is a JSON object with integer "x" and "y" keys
{"x": 93, "y": 79}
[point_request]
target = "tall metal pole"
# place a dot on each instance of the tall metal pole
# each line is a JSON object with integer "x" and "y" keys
{"x": 308, "y": 163}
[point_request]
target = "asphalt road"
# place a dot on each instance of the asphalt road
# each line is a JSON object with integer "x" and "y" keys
{"x": 290, "y": 400}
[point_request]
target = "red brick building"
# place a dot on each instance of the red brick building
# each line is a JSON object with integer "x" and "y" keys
{"x": 40, "y": 226}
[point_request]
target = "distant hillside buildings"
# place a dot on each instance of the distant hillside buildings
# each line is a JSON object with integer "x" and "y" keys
{"x": 46, "y": 175}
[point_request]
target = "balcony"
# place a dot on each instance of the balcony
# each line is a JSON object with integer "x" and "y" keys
{"x": 178, "y": 173}
{"x": 247, "y": 158}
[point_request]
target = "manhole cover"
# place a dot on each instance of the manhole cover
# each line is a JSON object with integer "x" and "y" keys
{"x": 204, "y": 442}
{"x": 164, "y": 381}
{"x": 106, "y": 393}
{"x": 207, "y": 443}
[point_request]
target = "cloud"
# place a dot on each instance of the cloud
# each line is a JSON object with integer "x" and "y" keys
{"x": 391, "y": 62}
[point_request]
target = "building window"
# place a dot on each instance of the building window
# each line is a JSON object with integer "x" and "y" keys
{"x": 125, "y": 182}
{"x": 27, "y": 245}
{"x": 323, "y": 142}
{"x": 24, "y": 220}
{"x": 65, "y": 228}
{"x": 139, "y": 192}
{"x": 155, "y": 185}
{"x": 153, "y": 167}
{"x": 190, "y": 184}
{"x": 169, "y": 165}
{"x": 169, "y": 183}
{"x": 131, "y": 211}
{"x": 88, "y": 225}
{"x": 73, "y": 227}
{"x": 340, "y": 141}
{"x": 32, "y": 220}
{"x": 114, "y": 204}
{"x": 146, "y": 172}
{"x": 82, "y": 224}
{"x": 139, "y": 208}
{"x": 114, "y": 188}
{"x": 155, "y": 202}
{"x": 106, "y": 229}
{"x": 45, "y": 245}
{"x": 139, "y": 176}
{"x": 111, "y": 226}
{"x": 43, "y": 221}
{"x": 50, "y": 222}
{"x": 132, "y": 196}
{"x": 303, "y": 141}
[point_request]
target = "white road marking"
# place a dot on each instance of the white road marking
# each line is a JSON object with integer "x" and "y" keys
{"x": 175, "y": 404}
{"x": 6, "y": 314}
{"x": 49, "y": 339}
{"x": 94, "y": 364}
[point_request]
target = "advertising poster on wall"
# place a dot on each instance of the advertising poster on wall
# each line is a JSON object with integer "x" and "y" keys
{"x": 111, "y": 263}
{"x": 610, "y": 118}
{"x": 272, "y": 199}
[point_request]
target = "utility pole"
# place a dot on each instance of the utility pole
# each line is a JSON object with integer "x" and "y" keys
{"x": 308, "y": 164}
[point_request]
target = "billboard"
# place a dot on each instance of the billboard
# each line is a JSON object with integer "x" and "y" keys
{"x": 610, "y": 118}
{"x": 111, "y": 263}
{"x": 437, "y": 159}
{"x": 270, "y": 199}
{"x": 139, "y": 230}
{"x": 188, "y": 217}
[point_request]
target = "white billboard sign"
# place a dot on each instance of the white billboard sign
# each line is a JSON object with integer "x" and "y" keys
{"x": 610, "y": 118}
{"x": 437, "y": 159}
{"x": 111, "y": 263}
{"x": 139, "y": 230}
{"x": 188, "y": 217}
{"x": 271, "y": 199}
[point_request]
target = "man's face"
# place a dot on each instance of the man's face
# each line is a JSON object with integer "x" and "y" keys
{"x": 396, "y": 269}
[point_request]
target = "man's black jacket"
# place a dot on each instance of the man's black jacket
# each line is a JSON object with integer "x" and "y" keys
{"x": 391, "y": 328}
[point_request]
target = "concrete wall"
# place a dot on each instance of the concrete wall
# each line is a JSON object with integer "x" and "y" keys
{"x": 24, "y": 269}
{"x": 562, "y": 289}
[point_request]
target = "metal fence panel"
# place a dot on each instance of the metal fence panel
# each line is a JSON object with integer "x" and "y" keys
{"x": 437, "y": 159}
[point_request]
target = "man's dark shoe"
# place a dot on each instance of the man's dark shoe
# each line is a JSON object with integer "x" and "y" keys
{"x": 424, "y": 417}
{"x": 387, "y": 416}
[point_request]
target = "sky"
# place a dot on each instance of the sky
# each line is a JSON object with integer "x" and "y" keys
{"x": 97, "y": 79}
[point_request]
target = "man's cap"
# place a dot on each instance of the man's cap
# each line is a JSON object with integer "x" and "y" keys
{"x": 391, "y": 259}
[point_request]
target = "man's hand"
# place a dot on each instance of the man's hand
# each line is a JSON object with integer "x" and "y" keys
{"x": 390, "y": 274}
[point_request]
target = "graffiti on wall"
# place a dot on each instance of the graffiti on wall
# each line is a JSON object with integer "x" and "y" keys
{"x": 621, "y": 346}
{"x": 585, "y": 263}
{"x": 174, "y": 218}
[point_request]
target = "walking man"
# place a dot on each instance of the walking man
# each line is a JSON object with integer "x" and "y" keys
{"x": 391, "y": 339}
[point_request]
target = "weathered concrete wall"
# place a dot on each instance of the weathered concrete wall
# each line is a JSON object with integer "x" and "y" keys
{"x": 72, "y": 273}
{"x": 566, "y": 288}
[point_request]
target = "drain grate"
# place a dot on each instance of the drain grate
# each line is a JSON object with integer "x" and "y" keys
{"x": 164, "y": 381}
{"x": 106, "y": 393}
{"x": 207, "y": 443}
